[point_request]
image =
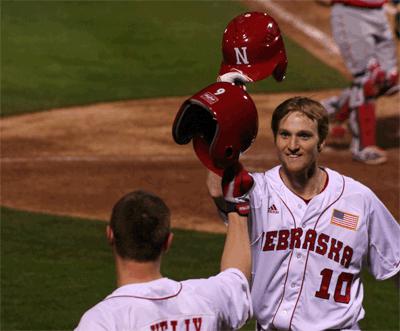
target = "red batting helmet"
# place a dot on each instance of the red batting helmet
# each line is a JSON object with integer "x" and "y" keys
{"x": 252, "y": 43}
{"x": 222, "y": 120}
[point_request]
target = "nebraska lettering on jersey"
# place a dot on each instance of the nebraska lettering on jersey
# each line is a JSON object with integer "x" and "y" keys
{"x": 189, "y": 324}
{"x": 319, "y": 243}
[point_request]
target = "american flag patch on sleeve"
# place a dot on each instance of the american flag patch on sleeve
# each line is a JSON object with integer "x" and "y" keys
{"x": 344, "y": 220}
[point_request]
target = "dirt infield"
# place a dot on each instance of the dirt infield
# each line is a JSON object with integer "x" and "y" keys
{"x": 78, "y": 161}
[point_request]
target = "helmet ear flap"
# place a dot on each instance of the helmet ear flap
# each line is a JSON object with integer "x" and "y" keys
{"x": 222, "y": 122}
{"x": 280, "y": 71}
{"x": 202, "y": 150}
{"x": 194, "y": 120}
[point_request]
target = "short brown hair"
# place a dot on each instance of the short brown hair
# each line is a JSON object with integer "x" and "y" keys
{"x": 309, "y": 107}
{"x": 140, "y": 222}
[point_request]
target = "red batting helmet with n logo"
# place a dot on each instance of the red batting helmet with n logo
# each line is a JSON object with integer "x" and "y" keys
{"x": 222, "y": 120}
{"x": 252, "y": 43}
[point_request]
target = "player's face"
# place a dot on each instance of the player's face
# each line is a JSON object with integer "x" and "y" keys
{"x": 297, "y": 142}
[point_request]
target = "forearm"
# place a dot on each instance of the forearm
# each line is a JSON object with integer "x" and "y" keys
{"x": 236, "y": 252}
{"x": 214, "y": 184}
{"x": 215, "y": 191}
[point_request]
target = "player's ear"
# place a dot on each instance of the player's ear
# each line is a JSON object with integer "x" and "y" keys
{"x": 320, "y": 146}
{"x": 168, "y": 242}
{"x": 110, "y": 235}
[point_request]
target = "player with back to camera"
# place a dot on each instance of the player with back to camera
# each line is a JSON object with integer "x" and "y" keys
{"x": 139, "y": 234}
{"x": 312, "y": 231}
{"x": 362, "y": 32}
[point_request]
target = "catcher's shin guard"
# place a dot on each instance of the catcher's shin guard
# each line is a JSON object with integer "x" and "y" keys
{"x": 374, "y": 79}
{"x": 343, "y": 112}
{"x": 338, "y": 106}
{"x": 377, "y": 82}
{"x": 391, "y": 84}
{"x": 366, "y": 122}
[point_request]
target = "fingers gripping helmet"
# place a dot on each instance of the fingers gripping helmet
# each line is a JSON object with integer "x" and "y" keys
{"x": 222, "y": 120}
{"x": 252, "y": 43}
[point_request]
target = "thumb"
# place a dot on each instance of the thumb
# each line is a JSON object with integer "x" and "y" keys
{"x": 246, "y": 182}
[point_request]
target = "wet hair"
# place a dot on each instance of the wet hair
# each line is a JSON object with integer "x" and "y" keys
{"x": 309, "y": 107}
{"x": 140, "y": 222}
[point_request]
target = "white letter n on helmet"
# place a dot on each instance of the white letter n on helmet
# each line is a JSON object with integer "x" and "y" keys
{"x": 241, "y": 55}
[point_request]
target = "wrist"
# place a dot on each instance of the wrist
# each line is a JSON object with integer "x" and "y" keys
{"x": 234, "y": 217}
{"x": 239, "y": 208}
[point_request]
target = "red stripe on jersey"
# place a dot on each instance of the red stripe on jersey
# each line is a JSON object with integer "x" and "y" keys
{"x": 308, "y": 251}
{"x": 146, "y": 298}
{"x": 290, "y": 259}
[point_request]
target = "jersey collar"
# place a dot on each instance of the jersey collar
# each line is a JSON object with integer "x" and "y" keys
{"x": 160, "y": 289}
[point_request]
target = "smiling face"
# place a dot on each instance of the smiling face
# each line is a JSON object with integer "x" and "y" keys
{"x": 297, "y": 142}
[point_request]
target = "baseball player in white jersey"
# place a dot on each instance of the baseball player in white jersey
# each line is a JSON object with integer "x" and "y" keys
{"x": 313, "y": 230}
{"x": 139, "y": 233}
{"x": 363, "y": 34}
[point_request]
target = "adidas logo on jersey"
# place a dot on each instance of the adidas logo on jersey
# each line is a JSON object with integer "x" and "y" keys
{"x": 273, "y": 209}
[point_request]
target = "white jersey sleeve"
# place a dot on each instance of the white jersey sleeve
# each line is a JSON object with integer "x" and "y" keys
{"x": 384, "y": 244}
{"x": 94, "y": 321}
{"x": 229, "y": 294}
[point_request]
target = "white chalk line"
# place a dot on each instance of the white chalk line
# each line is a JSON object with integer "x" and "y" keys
{"x": 113, "y": 159}
{"x": 311, "y": 31}
{"x": 131, "y": 158}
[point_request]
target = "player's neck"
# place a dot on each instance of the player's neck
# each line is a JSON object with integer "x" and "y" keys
{"x": 131, "y": 272}
{"x": 305, "y": 184}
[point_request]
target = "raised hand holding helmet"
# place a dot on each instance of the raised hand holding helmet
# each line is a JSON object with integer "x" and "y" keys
{"x": 236, "y": 77}
{"x": 221, "y": 120}
{"x": 236, "y": 185}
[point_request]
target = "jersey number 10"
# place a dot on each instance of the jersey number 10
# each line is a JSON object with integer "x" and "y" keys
{"x": 344, "y": 277}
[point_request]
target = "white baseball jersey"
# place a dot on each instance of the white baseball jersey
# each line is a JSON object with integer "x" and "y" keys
{"x": 307, "y": 257}
{"x": 221, "y": 302}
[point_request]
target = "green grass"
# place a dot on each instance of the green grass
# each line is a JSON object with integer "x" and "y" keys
{"x": 61, "y": 53}
{"x": 54, "y": 268}
{"x": 382, "y": 304}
